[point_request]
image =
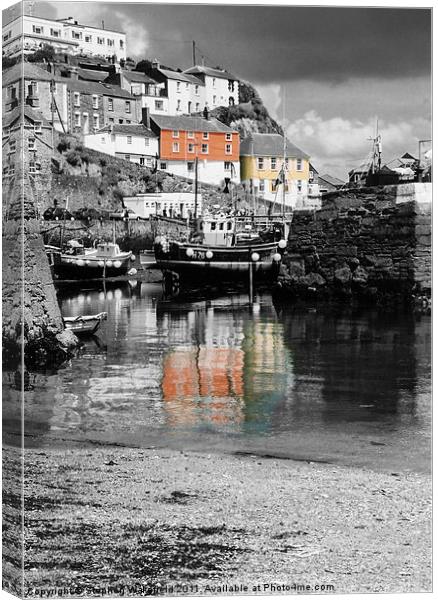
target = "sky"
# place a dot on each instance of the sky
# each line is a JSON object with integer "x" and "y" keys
{"x": 327, "y": 74}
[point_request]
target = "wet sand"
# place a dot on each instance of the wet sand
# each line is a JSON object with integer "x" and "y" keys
{"x": 104, "y": 517}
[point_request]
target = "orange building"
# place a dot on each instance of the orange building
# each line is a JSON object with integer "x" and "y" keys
{"x": 184, "y": 139}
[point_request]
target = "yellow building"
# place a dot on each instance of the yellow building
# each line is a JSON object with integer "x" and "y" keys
{"x": 262, "y": 158}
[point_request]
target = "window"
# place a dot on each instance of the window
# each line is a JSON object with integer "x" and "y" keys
{"x": 77, "y": 119}
{"x": 159, "y": 105}
{"x": 100, "y": 40}
{"x": 12, "y": 92}
{"x": 205, "y": 135}
{"x": 262, "y": 185}
{"x": 214, "y": 82}
{"x": 110, "y": 104}
{"x": 146, "y": 141}
{"x": 204, "y": 148}
{"x": 163, "y": 165}
{"x": 88, "y": 39}
{"x": 127, "y": 157}
{"x": 197, "y": 90}
{"x": 102, "y": 140}
{"x": 178, "y": 105}
{"x": 228, "y": 149}
{"x": 273, "y": 186}
{"x": 127, "y": 106}
{"x": 299, "y": 164}
{"x": 187, "y": 87}
{"x": 175, "y": 147}
{"x": 110, "y": 42}
{"x": 31, "y": 144}
{"x": 76, "y": 35}
{"x": 299, "y": 186}
{"x": 178, "y": 87}
{"x": 32, "y": 88}
{"x": 227, "y": 166}
{"x": 53, "y": 87}
{"x": 120, "y": 121}
{"x": 37, "y": 29}
{"x": 37, "y": 126}
{"x": 121, "y": 44}
{"x": 230, "y": 86}
{"x": 77, "y": 99}
{"x": 55, "y": 32}
{"x": 95, "y": 102}
{"x": 191, "y": 135}
{"x": 175, "y": 134}
{"x": 191, "y": 148}
{"x": 273, "y": 164}
{"x": 197, "y": 107}
{"x": 214, "y": 99}
{"x": 7, "y": 36}
{"x": 142, "y": 161}
{"x": 111, "y": 119}
{"x": 286, "y": 164}
{"x": 260, "y": 163}
{"x": 149, "y": 162}
{"x": 95, "y": 121}
{"x": 190, "y": 167}
{"x": 129, "y": 139}
{"x": 228, "y": 137}
{"x": 12, "y": 145}
{"x": 311, "y": 176}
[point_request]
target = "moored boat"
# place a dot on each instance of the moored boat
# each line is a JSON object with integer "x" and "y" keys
{"x": 219, "y": 254}
{"x": 85, "y": 324}
{"x": 77, "y": 262}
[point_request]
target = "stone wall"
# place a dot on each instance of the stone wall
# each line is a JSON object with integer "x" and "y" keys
{"x": 365, "y": 242}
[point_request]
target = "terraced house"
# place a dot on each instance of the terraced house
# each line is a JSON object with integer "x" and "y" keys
{"x": 39, "y": 90}
{"x": 263, "y": 161}
{"x": 91, "y": 106}
{"x": 186, "y": 140}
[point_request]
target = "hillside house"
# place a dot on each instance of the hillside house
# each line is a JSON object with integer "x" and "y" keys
{"x": 262, "y": 164}
{"x": 151, "y": 93}
{"x": 221, "y": 88}
{"x": 26, "y": 34}
{"x": 39, "y": 90}
{"x": 185, "y": 139}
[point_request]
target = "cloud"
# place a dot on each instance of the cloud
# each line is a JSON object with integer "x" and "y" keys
{"x": 337, "y": 144}
{"x": 136, "y": 35}
{"x": 271, "y": 97}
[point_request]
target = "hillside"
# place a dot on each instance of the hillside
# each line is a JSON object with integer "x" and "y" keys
{"x": 250, "y": 116}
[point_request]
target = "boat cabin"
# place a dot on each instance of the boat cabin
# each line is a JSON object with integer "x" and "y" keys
{"x": 107, "y": 250}
{"x": 218, "y": 231}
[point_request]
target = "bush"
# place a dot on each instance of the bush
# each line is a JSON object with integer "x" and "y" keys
{"x": 62, "y": 146}
{"x": 73, "y": 158}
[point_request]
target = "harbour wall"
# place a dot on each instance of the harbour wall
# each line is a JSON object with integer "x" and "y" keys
{"x": 370, "y": 242}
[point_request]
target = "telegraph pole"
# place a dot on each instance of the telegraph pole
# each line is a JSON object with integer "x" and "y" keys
{"x": 194, "y": 53}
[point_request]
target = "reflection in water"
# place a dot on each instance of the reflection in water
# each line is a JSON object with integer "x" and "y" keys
{"x": 225, "y": 375}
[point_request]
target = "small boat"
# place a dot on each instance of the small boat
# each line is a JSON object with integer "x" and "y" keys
{"x": 219, "y": 254}
{"x": 77, "y": 262}
{"x": 85, "y": 324}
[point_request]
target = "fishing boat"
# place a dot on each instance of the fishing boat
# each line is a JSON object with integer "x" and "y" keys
{"x": 77, "y": 262}
{"x": 85, "y": 324}
{"x": 220, "y": 252}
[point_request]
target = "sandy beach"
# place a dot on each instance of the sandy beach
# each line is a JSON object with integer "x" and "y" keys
{"x": 145, "y": 522}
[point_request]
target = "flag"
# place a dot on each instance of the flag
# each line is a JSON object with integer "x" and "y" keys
{"x": 280, "y": 177}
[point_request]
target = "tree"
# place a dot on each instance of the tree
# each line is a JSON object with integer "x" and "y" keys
{"x": 46, "y": 53}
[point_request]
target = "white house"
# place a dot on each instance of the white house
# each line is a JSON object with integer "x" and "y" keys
{"x": 168, "y": 204}
{"x": 28, "y": 33}
{"x": 221, "y": 88}
{"x": 152, "y": 93}
{"x": 186, "y": 94}
{"x": 135, "y": 143}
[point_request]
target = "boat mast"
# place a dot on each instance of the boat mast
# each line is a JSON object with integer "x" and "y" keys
{"x": 196, "y": 187}
{"x": 284, "y": 153}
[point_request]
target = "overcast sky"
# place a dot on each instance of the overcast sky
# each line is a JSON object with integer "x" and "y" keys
{"x": 337, "y": 68}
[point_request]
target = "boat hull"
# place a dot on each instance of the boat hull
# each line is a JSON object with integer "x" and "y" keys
{"x": 91, "y": 267}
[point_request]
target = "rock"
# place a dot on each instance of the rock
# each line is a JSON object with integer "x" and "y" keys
{"x": 360, "y": 276}
{"x": 314, "y": 280}
{"x": 67, "y": 339}
{"x": 343, "y": 275}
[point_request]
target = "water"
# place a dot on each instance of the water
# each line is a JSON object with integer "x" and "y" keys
{"x": 309, "y": 384}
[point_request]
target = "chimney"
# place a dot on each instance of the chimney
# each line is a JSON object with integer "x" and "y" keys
{"x": 206, "y": 113}
{"x": 155, "y": 63}
{"x": 145, "y": 117}
{"x": 74, "y": 73}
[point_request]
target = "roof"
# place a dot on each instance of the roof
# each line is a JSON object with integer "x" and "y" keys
{"x": 210, "y": 72}
{"x": 182, "y": 123}
{"x": 27, "y": 70}
{"x": 133, "y": 129}
{"x": 330, "y": 179}
{"x": 179, "y": 76}
{"x": 95, "y": 87}
{"x": 137, "y": 76}
{"x": 269, "y": 144}
{"x": 29, "y": 113}
{"x": 408, "y": 156}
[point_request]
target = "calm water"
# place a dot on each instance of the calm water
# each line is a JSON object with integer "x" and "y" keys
{"x": 311, "y": 384}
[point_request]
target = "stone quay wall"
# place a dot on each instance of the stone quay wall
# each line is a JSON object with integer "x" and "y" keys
{"x": 368, "y": 242}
